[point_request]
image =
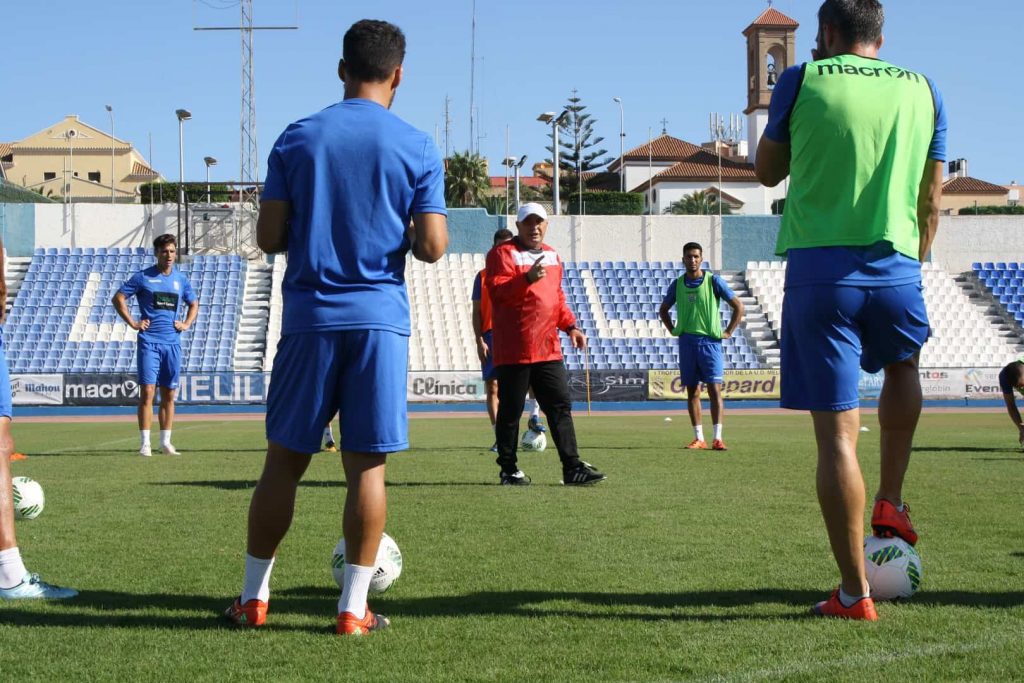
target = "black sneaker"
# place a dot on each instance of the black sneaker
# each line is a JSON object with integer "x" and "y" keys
{"x": 582, "y": 475}
{"x": 517, "y": 478}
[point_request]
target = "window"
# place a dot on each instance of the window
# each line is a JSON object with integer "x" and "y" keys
{"x": 94, "y": 176}
{"x": 49, "y": 175}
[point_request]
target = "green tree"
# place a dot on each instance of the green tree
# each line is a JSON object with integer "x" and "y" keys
{"x": 699, "y": 203}
{"x": 465, "y": 180}
{"x": 579, "y": 150}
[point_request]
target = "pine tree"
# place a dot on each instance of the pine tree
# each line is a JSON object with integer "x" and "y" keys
{"x": 579, "y": 150}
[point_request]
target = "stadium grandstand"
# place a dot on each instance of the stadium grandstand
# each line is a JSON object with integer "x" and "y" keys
{"x": 61, "y": 323}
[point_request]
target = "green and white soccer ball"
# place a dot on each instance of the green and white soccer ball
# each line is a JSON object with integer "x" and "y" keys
{"x": 28, "y": 498}
{"x": 533, "y": 441}
{"x": 893, "y": 568}
{"x": 387, "y": 569}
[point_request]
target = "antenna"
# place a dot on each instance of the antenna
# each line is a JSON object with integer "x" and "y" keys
{"x": 447, "y": 126}
{"x": 472, "y": 79}
{"x": 722, "y": 134}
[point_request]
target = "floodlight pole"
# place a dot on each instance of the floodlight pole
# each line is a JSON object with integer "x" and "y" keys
{"x": 622, "y": 145}
{"x": 110, "y": 110}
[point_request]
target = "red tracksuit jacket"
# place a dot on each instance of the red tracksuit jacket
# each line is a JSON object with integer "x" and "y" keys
{"x": 526, "y": 317}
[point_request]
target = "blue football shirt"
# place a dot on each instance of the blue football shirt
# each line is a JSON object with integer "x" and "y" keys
{"x": 355, "y": 174}
{"x": 160, "y": 297}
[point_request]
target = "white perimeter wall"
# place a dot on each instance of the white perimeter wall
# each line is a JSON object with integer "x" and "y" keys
{"x": 633, "y": 238}
{"x": 103, "y": 225}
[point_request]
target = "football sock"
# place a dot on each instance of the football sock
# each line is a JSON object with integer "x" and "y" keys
{"x": 900, "y": 508}
{"x": 12, "y": 569}
{"x": 534, "y": 407}
{"x": 357, "y": 586}
{"x": 698, "y": 432}
{"x": 329, "y": 433}
{"x": 718, "y": 431}
{"x": 165, "y": 437}
{"x": 257, "y": 579}
{"x": 849, "y": 600}
{"x": 144, "y": 438}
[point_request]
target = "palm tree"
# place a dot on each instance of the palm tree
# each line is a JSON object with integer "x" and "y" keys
{"x": 465, "y": 180}
{"x": 699, "y": 203}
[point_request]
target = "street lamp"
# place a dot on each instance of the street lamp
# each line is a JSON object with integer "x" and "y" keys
{"x": 508, "y": 163}
{"x": 549, "y": 117}
{"x": 110, "y": 110}
{"x": 209, "y": 161}
{"x": 183, "y": 115}
{"x": 622, "y": 146}
{"x": 519, "y": 165}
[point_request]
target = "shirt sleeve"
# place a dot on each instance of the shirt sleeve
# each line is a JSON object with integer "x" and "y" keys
{"x": 429, "y": 196}
{"x": 937, "y": 149}
{"x": 132, "y": 285}
{"x": 188, "y": 295}
{"x": 476, "y": 287}
{"x": 670, "y": 295}
{"x": 781, "y": 105}
{"x": 721, "y": 290}
{"x": 506, "y": 283}
{"x": 275, "y": 187}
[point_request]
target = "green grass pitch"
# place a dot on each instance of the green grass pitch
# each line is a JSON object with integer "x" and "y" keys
{"x": 683, "y": 565}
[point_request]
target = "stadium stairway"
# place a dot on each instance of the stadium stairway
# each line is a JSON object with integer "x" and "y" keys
{"x": 251, "y": 340}
{"x": 274, "y": 312}
{"x": 1000, "y": 292}
{"x": 15, "y": 269}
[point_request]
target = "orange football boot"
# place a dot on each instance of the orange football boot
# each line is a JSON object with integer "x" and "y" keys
{"x": 250, "y": 615}
{"x": 18, "y": 456}
{"x": 697, "y": 445}
{"x": 887, "y": 521}
{"x": 718, "y": 445}
{"x": 349, "y": 625}
{"x": 862, "y": 610}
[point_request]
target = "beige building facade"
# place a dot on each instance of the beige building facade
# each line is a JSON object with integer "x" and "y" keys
{"x": 74, "y": 161}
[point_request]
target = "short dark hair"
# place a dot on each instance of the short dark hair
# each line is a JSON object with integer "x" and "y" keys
{"x": 163, "y": 240}
{"x": 372, "y": 50}
{"x": 502, "y": 235}
{"x": 692, "y": 245}
{"x": 858, "y": 21}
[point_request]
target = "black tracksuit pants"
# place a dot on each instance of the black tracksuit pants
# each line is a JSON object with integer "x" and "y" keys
{"x": 550, "y": 383}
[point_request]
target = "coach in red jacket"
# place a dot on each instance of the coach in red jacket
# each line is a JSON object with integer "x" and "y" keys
{"x": 528, "y": 309}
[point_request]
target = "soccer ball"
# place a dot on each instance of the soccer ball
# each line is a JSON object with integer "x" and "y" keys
{"x": 387, "y": 569}
{"x": 533, "y": 441}
{"x": 893, "y": 568}
{"x": 28, "y": 498}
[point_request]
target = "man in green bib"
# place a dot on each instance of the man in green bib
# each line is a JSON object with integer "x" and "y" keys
{"x": 863, "y": 142}
{"x": 1012, "y": 377}
{"x": 697, "y": 296}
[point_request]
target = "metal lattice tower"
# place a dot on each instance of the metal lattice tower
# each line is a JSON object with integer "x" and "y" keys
{"x": 250, "y": 165}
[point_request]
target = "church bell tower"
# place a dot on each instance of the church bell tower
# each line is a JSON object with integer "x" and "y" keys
{"x": 771, "y": 49}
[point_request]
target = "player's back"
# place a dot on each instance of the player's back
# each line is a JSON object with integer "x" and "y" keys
{"x": 352, "y": 174}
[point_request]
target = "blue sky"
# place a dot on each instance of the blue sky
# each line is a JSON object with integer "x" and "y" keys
{"x": 671, "y": 59}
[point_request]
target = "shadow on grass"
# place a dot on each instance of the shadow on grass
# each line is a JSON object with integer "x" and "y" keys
{"x": 237, "y": 485}
{"x": 961, "y": 449}
{"x": 202, "y": 612}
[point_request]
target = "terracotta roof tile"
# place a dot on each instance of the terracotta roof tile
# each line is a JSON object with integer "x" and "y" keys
{"x": 968, "y": 185}
{"x": 5, "y": 149}
{"x": 140, "y": 170}
{"x": 662, "y": 148}
{"x": 773, "y": 18}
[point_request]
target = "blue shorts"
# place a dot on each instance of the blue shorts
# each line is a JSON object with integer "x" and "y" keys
{"x": 701, "y": 362}
{"x": 359, "y": 373}
{"x": 159, "y": 364}
{"x": 6, "y": 404}
{"x": 487, "y": 367}
{"x": 829, "y": 332}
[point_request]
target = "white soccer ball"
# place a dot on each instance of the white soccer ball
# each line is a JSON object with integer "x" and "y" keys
{"x": 28, "y": 498}
{"x": 533, "y": 441}
{"x": 893, "y": 568}
{"x": 387, "y": 569}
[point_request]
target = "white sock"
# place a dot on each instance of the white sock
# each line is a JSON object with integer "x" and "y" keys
{"x": 698, "y": 432}
{"x": 535, "y": 407}
{"x": 329, "y": 433}
{"x": 165, "y": 437}
{"x": 718, "y": 431}
{"x": 12, "y": 569}
{"x": 257, "y": 579}
{"x": 849, "y": 600}
{"x": 144, "y": 438}
{"x": 357, "y": 586}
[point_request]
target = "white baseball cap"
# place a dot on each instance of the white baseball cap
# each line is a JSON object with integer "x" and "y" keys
{"x": 531, "y": 209}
